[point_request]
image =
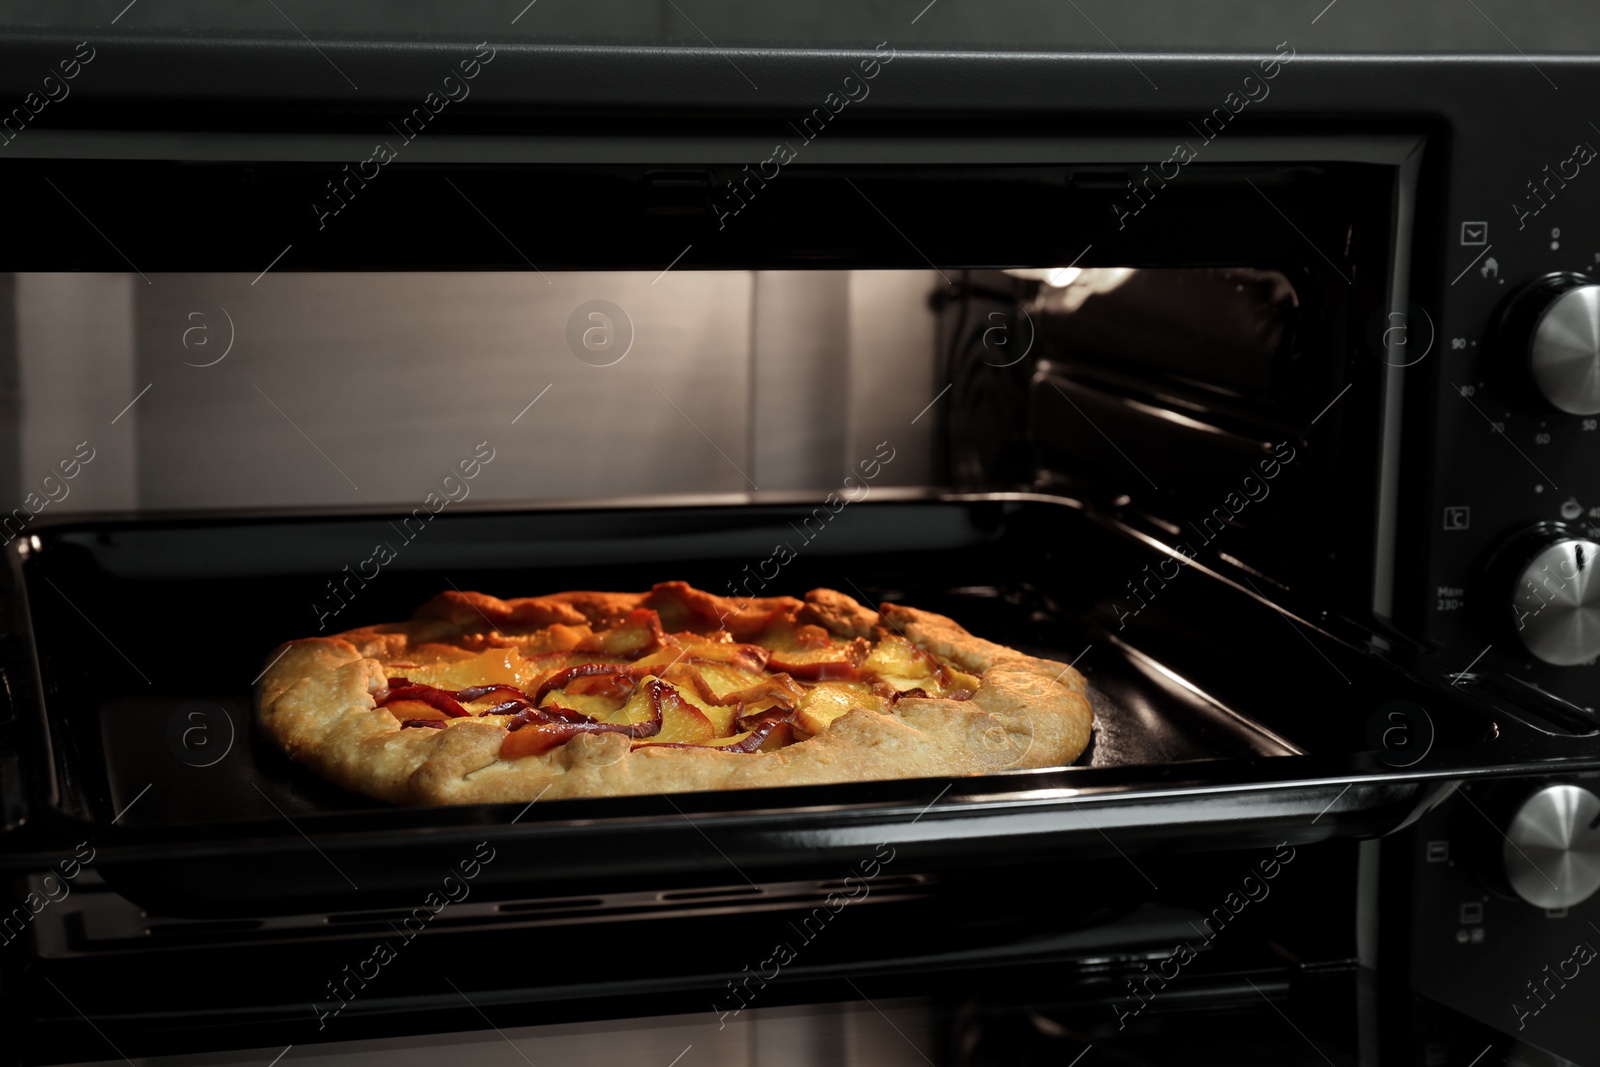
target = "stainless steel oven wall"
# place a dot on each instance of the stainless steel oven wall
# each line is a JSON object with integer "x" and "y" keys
{"x": 843, "y": 360}
{"x": 894, "y": 395}
{"x": 344, "y": 390}
{"x": 293, "y": 390}
{"x": 74, "y": 343}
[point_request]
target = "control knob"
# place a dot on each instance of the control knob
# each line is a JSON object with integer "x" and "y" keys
{"x": 1555, "y": 598}
{"x": 1552, "y": 847}
{"x": 1556, "y": 320}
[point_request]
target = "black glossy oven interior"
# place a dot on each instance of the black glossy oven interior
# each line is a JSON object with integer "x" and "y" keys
{"x": 1213, "y": 692}
{"x": 241, "y": 865}
{"x": 1091, "y": 926}
{"x": 992, "y": 566}
{"x": 1184, "y": 706}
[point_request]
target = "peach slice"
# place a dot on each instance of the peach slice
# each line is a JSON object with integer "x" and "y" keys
{"x": 827, "y": 701}
{"x": 720, "y": 716}
{"x": 813, "y": 658}
{"x": 811, "y": 653}
{"x": 897, "y": 657}
{"x": 778, "y": 736}
{"x": 956, "y": 678}
{"x": 733, "y": 654}
{"x": 781, "y": 735}
{"x": 638, "y": 707}
{"x": 504, "y": 666}
{"x": 596, "y": 707}
{"x": 725, "y": 680}
{"x": 557, "y": 637}
{"x": 411, "y": 710}
{"x": 638, "y": 635}
{"x": 786, "y": 636}
{"x": 681, "y": 722}
{"x": 697, "y": 651}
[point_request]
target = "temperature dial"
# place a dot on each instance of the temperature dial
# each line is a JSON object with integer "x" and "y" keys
{"x": 1552, "y": 847}
{"x": 1556, "y": 602}
{"x": 1557, "y": 319}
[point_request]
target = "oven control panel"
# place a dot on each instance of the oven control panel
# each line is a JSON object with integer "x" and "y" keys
{"x": 1505, "y": 920}
{"x": 1513, "y": 545}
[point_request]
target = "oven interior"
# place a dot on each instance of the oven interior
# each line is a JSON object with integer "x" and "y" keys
{"x": 1109, "y": 443}
{"x": 163, "y": 745}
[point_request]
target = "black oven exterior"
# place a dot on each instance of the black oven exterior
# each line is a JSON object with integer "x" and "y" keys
{"x": 1431, "y": 228}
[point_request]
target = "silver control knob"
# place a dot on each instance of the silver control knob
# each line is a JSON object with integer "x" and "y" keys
{"x": 1552, "y": 847}
{"x": 1556, "y": 603}
{"x": 1564, "y": 351}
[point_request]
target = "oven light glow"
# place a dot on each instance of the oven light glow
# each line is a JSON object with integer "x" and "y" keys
{"x": 1055, "y": 277}
{"x": 1066, "y": 289}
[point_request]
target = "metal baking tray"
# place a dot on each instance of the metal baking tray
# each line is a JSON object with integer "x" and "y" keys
{"x": 132, "y": 647}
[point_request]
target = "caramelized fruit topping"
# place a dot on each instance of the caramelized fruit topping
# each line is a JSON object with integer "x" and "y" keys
{"x": 674, "y": 690}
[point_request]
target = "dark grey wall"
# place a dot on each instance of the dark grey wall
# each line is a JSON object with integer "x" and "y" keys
{"x": 1406, "y": 26}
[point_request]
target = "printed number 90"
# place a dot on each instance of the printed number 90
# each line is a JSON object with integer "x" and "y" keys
{"x": 1458, "y": 342}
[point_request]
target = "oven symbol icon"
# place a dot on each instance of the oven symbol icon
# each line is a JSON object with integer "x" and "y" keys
{"x": 1457, "y": 518}
{"x": 1474, "y": 233}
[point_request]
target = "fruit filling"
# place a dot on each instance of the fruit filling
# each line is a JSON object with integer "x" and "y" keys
{"x": 675, "y": 690}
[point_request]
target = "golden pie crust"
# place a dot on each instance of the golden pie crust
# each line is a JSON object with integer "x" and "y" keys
{"x": 319, "y": 699}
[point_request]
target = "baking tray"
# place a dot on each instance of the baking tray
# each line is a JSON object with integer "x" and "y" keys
{"x": 254, "y": 780}
{"x": 146, "y": 632}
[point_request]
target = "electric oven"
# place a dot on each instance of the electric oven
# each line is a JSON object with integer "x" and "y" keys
{"x": 1268, "y": 399}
